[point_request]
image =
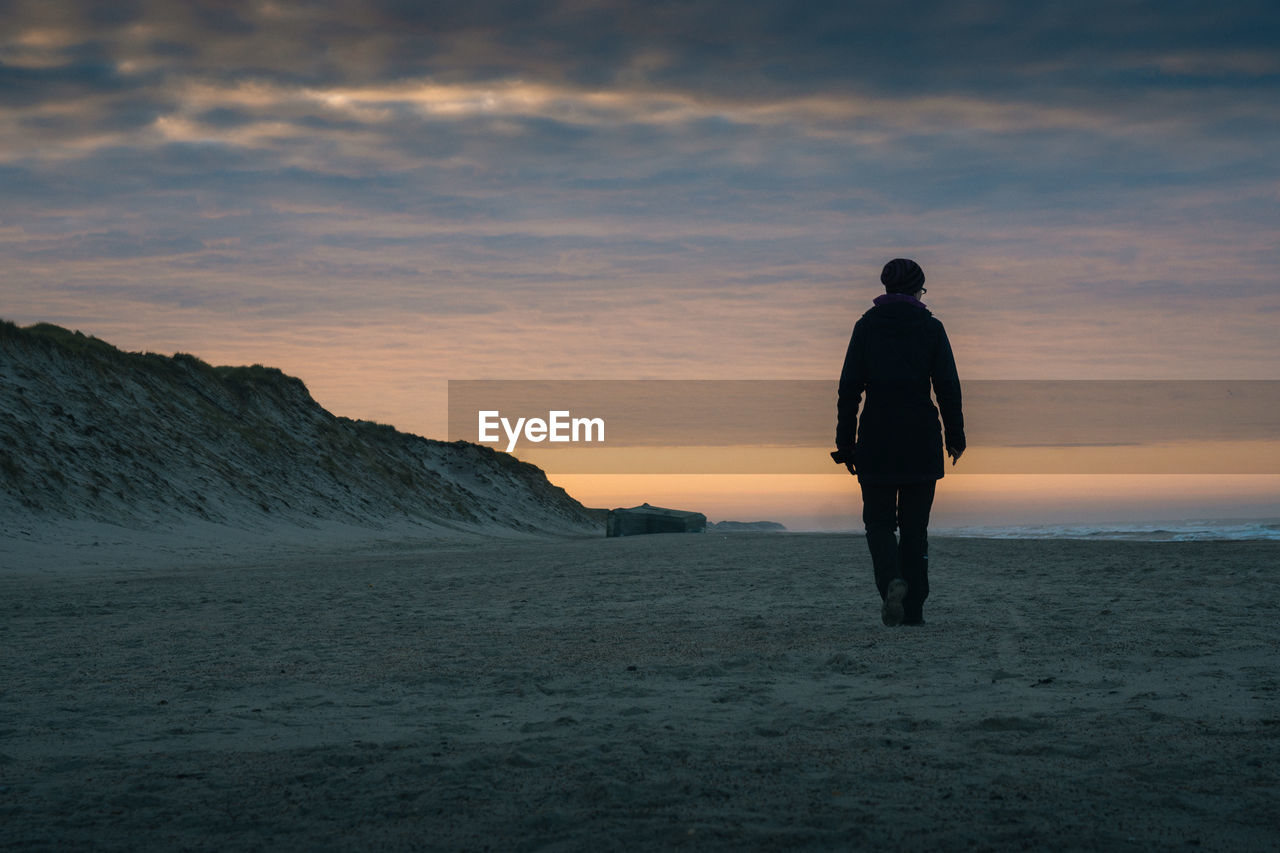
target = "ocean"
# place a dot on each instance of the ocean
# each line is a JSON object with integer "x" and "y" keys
{"x": 1230, "y": 530}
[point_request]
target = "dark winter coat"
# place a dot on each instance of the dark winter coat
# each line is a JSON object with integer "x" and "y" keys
{"x": 898, "y": 350}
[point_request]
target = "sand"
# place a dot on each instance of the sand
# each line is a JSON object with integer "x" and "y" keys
{"x": 697, "y": 692}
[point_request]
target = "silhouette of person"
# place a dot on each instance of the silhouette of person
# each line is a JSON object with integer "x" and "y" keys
{"x": 898, "y": 351}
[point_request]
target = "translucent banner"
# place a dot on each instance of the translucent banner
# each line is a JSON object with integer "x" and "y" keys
{"x": 788, "y": 426}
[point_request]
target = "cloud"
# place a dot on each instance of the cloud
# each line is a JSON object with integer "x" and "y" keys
{"x": 707, "y": 183}
{"x": 110, "y": 245}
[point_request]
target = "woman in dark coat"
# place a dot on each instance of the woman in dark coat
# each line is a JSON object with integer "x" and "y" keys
{"x": 898, "y": 351}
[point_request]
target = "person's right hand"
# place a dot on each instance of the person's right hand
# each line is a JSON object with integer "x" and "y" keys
{"x": 955, "y": 455}
{"x": 845, "y": 456}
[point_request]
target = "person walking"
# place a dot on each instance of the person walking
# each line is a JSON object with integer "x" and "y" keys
{"x": 898, "y": 351}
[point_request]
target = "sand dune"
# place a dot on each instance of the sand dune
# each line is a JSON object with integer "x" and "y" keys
{"x": 699, "y": 692}
{"x": 89, "y": 433}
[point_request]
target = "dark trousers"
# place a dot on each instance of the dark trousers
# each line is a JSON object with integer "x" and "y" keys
{"x": 905, "y": 508}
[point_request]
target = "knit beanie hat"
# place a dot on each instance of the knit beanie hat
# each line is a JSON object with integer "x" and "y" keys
{"x": 901, "y": 275}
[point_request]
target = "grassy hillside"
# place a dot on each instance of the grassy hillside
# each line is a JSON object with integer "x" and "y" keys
{"x": 90, "y": 431}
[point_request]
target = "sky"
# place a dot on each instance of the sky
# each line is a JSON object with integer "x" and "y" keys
{"x": 380, "y": 197}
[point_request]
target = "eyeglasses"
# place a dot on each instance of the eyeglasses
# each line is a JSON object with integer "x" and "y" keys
{"x": 923, "y": 291}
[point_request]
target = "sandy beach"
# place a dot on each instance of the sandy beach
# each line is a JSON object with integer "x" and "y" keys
{"x": 699, "y": 692}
